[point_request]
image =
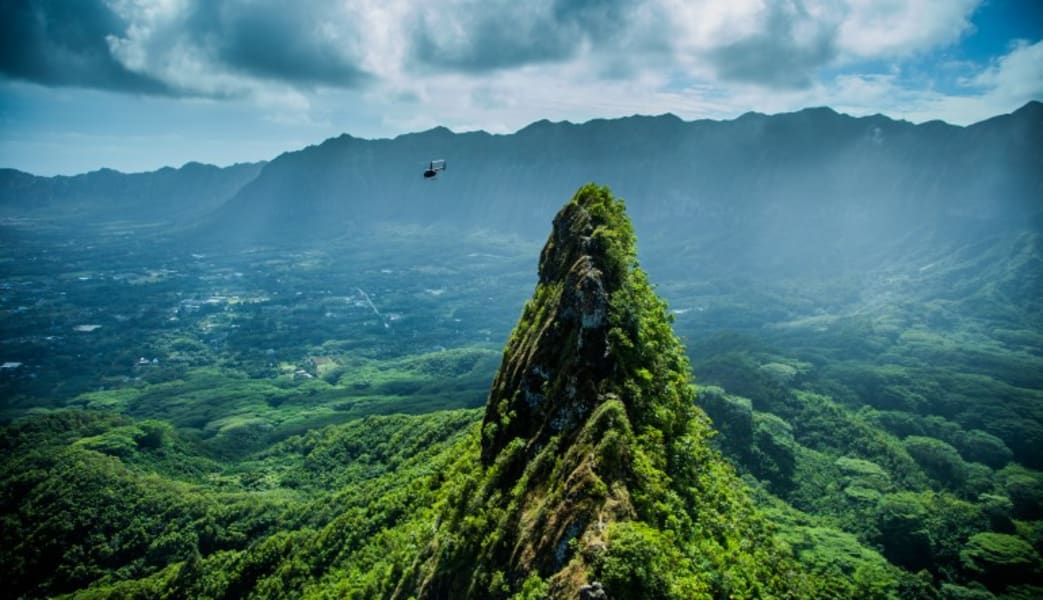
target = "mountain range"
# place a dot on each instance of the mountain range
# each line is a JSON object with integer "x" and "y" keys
{"x": 263, "y": 380}
{"x": 165, "y": 196}
{"x": 813, "y": 188}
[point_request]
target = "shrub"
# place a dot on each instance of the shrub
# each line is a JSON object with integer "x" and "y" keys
{"x": 732, "y": 416}
{"x": 979, "y": 446}
{"x": 1025, "y": 489}
{"x": 939, "y": 460}
{"x": 999, "y": 559}
{"x": 905, "y": 536}
{"x": 640, "y": 562}
{"x": 774, "y": 454}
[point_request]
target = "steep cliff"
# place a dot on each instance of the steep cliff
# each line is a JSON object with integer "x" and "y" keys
{"x": 594, "y": 461}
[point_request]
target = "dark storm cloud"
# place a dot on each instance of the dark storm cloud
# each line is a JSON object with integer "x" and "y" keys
{"x": 63, "y": 43}
{"x": 66, "y": 43}
{"x": 271, "y": 39}
{"x": 229, "y": 47}
{"x": 774, "y": 56}
{"x": 498, "y": 35}
{"x": 786, "y": 49}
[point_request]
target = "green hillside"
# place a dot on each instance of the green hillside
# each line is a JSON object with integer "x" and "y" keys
{"x": 314, "y": 443}
{"x": 595, "y": 464}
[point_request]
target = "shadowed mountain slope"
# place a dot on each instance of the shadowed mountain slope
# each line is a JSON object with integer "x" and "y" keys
{"x": 774, "y": 184}
{"x": 813, "y": 190}
{"x": 168, "y": 195}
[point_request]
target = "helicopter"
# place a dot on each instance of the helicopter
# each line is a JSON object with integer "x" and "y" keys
{"x": 434, "y": 168}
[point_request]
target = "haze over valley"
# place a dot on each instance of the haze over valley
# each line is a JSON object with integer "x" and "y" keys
{"x": 777, "y": 334}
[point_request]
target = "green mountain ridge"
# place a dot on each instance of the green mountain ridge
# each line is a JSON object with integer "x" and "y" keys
{"x": 595, "y": 463}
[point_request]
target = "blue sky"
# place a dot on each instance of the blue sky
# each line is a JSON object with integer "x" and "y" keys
{"x": 140, "y": 84}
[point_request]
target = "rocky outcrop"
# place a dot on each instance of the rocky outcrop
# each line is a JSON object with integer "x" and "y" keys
{"x": 559, "y": 355}
{"x": 593, "y": 591}
{"x": 595, "y": 478}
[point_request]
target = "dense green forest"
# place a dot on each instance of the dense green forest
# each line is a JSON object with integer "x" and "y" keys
{"x": 301, "y": 422}
{"x": 643, "y": 341}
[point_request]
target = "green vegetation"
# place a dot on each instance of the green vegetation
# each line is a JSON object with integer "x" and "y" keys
{"x": 161, "y": 516}
{"x": 304, "y": 423}
{"x": 910, "y": 425}
{"x": 595, "y": 462}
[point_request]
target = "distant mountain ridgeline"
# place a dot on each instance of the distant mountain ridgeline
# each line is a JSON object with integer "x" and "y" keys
{"x": 166, "y": 196}
{"x": 814, "y": 188}
{"x": 805, "y": 185}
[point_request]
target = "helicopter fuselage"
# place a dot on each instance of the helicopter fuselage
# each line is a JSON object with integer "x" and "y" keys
{"x": 433, "y": 168}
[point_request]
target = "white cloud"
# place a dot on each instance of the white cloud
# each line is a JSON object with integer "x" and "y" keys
{"x": 889, "y": 28}
{"x": 682, "y": 71}
{"x": 1004, "y": 86}
{"x": 1016, "y": 77}
{"x": 236, "y": 47}
{"x": 669, "y": 58}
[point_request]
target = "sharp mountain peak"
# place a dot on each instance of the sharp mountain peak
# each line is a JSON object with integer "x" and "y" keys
{"x": 591, "y": 442}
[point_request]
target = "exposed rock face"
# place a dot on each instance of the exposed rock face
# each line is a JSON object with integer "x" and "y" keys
{"x": 555, "y": 395}
{"x": 593, "y": 591}
{"x": 553, "y": 367}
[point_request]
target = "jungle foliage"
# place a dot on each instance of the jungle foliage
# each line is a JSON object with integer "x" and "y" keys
{"x": 305, "y": 424}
